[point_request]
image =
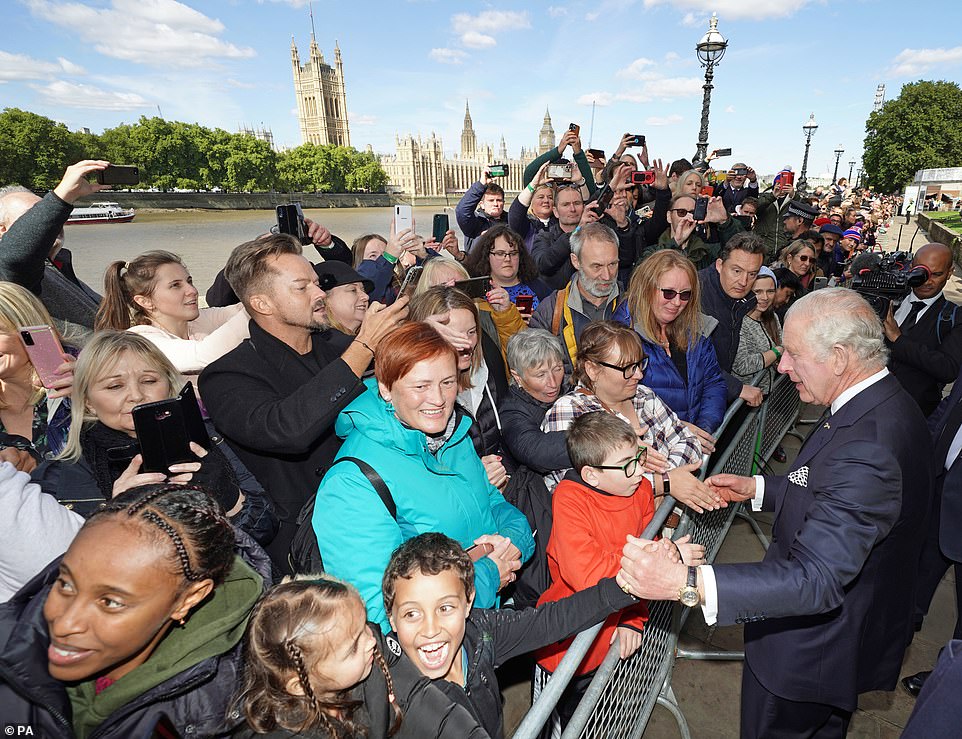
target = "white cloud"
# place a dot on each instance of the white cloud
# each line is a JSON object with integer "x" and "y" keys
{"x": 692, "y": 19}
{"x": 231, "y": 82}
{"x": 672, "y": 56}
{"x": 669, "y": 120}
{"x": 730, "y": 109}
{"x": 911, "y": 62}
{"x": 162, "y": 33}
{"x": 598, "y": 98}
{"x": 23, "y": 67}
{"x": 475, "y": 40}
{"x": 358, "y": 119}
{"x": 736, "y": 9}
{"x": 490, "y": 21}
{"x": 72, "y": 95}
{"x": 635, "y": 70}
{"x": 673, "y": 87}
{"x": 556, "y": 11}
{"x": 593, "y": 15}
{"x": 448, "y": 56}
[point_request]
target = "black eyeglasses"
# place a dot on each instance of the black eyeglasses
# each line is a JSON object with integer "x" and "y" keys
{"x": 681, "y": 212}
{"x": 627, "y": 370}
{"x": 684, "y": 295}
{"x": 803, "y": 257}
{"x": 630, "y": 467}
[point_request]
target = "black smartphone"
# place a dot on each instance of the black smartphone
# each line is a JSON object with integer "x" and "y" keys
{"x": 498, "y": 170}
{"x": 290, "y": 220}
{"x": 119, "y": 174}
{"x": 166, "y": 428}
{"x": 596, "y": 153}
{"x": 440, "y": 227}
{"x": 701, "y": 209}
{"x": 723, "y": 152}
{"x": 637, "y": 139}
{"x": 476, "y": 287}
{"x": 747, "y": 221}
{"x": 605, "y": 195}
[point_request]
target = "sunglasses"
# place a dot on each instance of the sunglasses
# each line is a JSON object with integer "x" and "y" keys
{"x": 629, "y": 467}
{"x": 684, "y": 295}
{"x": 803, "y": 258}
{"x": 628, "y": 371}
{"x": 681, "y": 212}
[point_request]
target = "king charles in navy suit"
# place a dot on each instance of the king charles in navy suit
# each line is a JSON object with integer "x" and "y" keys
{"x": 828, "y": 612}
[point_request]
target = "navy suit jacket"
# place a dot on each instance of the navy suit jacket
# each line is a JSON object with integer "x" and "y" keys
{"x": 828, "y": 610}
{"x": 948, "y": 483}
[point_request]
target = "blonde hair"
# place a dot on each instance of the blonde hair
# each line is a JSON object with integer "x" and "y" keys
{"x": 441, "y": 299}
{"x": 683, "y": 332}
{"x": 98, "y": 357}
{"x": 18, "y": 308}
{"x": 680, "y": 182}
{"x": 435, "y": 264}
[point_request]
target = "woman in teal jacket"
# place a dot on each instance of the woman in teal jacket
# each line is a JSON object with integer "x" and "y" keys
{"x": 407, "y": 428}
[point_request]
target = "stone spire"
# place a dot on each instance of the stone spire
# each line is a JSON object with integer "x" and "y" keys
{"x": 546, "y": 137}
{"x": 469, "y": 142}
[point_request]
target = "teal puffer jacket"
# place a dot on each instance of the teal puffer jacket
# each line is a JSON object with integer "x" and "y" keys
{"x": 447, "y": 492}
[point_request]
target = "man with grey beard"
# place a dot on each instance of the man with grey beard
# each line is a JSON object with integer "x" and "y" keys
{"x": 591, "y": 294}
{"x": 32, "y": 253}
{"x": 276, "y": 396}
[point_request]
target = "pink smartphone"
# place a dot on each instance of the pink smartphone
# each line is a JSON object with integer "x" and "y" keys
{"x": 45, "y": 352}
{"x": 477, "y": 551}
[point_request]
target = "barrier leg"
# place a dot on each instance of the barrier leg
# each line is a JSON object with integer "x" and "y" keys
{"x": 709, "y": 654}
{"x": 667, "y": 699}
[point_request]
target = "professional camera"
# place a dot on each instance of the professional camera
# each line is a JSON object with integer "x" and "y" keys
{"x": 887, "y": 278}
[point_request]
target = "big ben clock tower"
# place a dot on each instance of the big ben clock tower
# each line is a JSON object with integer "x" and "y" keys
{"x": 546, "y": 138}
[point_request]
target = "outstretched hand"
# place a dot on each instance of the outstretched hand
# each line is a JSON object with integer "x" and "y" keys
{"x": 75, "y": 184}
{"x": 732, "y": 487}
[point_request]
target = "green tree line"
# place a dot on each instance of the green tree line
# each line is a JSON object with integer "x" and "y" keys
{"x": 35, "y": 150}
{"x": 920, "y": 129}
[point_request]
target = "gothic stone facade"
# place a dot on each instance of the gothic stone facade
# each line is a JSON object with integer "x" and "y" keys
{"x": 321, "y": 97}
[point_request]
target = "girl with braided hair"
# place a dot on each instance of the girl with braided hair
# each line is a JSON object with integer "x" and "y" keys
{"x": 316, "y": 668}
{"x": 138, "y": 625}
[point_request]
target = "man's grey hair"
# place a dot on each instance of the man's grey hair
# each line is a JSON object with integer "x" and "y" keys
{"x": 837, "y": 316}
{"x": 532, "y": 348}
{"x": 10, "y": 190}
{"x": 596, "y": 231}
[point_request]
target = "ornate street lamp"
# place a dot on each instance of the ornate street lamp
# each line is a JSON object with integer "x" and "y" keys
{"x": 851, "y": 166}
{"x": 838, "y": 155}
{"x": 809, "y": 128}
{"x": 858, "y": 177}
{"x": 710, "y": 50}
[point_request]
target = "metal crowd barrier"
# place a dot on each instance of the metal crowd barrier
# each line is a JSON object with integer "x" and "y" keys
{"x": 623, "y": 693}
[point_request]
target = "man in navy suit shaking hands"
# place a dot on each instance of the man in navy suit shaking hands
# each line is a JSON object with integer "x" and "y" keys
{"x": 827, "y": 613}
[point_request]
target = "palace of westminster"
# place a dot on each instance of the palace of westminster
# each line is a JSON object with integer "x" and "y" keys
{"x": 418, "y": 168}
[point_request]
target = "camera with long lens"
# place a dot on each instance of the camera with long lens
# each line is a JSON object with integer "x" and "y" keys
{"x": 886, "y": 279}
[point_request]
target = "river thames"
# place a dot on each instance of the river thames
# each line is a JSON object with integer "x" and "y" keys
{"x": 204, "y": 238}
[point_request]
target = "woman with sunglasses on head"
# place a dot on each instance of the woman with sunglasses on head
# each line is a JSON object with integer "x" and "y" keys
{"x": 664, "y": 307}
{"x": 608, "y": 372}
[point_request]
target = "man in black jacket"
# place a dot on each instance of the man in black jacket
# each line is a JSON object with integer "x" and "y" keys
{"x": 925, "y": 345}
{"x": 276, "y": 396}
{"x": 551, "y": 249}
{"x": 726, "y": 296}
{"x": 32, "y": 253}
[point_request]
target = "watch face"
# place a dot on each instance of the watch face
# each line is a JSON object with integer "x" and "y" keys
{"x": 689, "y": 597}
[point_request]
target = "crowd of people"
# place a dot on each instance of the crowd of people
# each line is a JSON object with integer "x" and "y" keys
{"x": 353, "y": 546}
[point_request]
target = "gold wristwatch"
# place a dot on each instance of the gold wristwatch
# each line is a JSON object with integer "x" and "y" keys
{"x": 688, "y": 595}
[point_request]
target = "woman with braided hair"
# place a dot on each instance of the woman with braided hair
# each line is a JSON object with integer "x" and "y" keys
{"x": 316, "y": 668}
{"x": 138, "y": 626}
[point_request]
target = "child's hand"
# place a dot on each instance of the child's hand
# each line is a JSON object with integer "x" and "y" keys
{"x": 629, "y": 641}
{"x": 691, "y": 554}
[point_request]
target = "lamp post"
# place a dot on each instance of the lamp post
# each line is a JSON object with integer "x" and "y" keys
{"x": 838, "y": 155}
{"x": 809, "y": 128}
{"x": 710, "y": 50}
{"x": 858, "y": 177}
{"x": 851, "y": 166}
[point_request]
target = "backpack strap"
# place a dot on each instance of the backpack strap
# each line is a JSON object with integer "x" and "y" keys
{"x": 945, "y": 317}
{"x": 561, "y": 300}
{"x": 376, "y": 482}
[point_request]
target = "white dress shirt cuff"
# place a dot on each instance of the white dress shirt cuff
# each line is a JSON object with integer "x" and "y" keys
{"x": 709, "y": 608}
{"x": 759, "y": 498}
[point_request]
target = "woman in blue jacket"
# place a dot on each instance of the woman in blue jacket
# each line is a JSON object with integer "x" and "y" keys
{"x": 663, "y": 306}
{"x": 406, "y": 428}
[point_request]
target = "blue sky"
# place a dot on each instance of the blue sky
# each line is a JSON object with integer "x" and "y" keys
{"x": 410, "y": 65}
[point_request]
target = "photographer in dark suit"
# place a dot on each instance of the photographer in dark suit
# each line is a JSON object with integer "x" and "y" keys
{"x": 925, "y": 346}
{"x": 827, "y": 613}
